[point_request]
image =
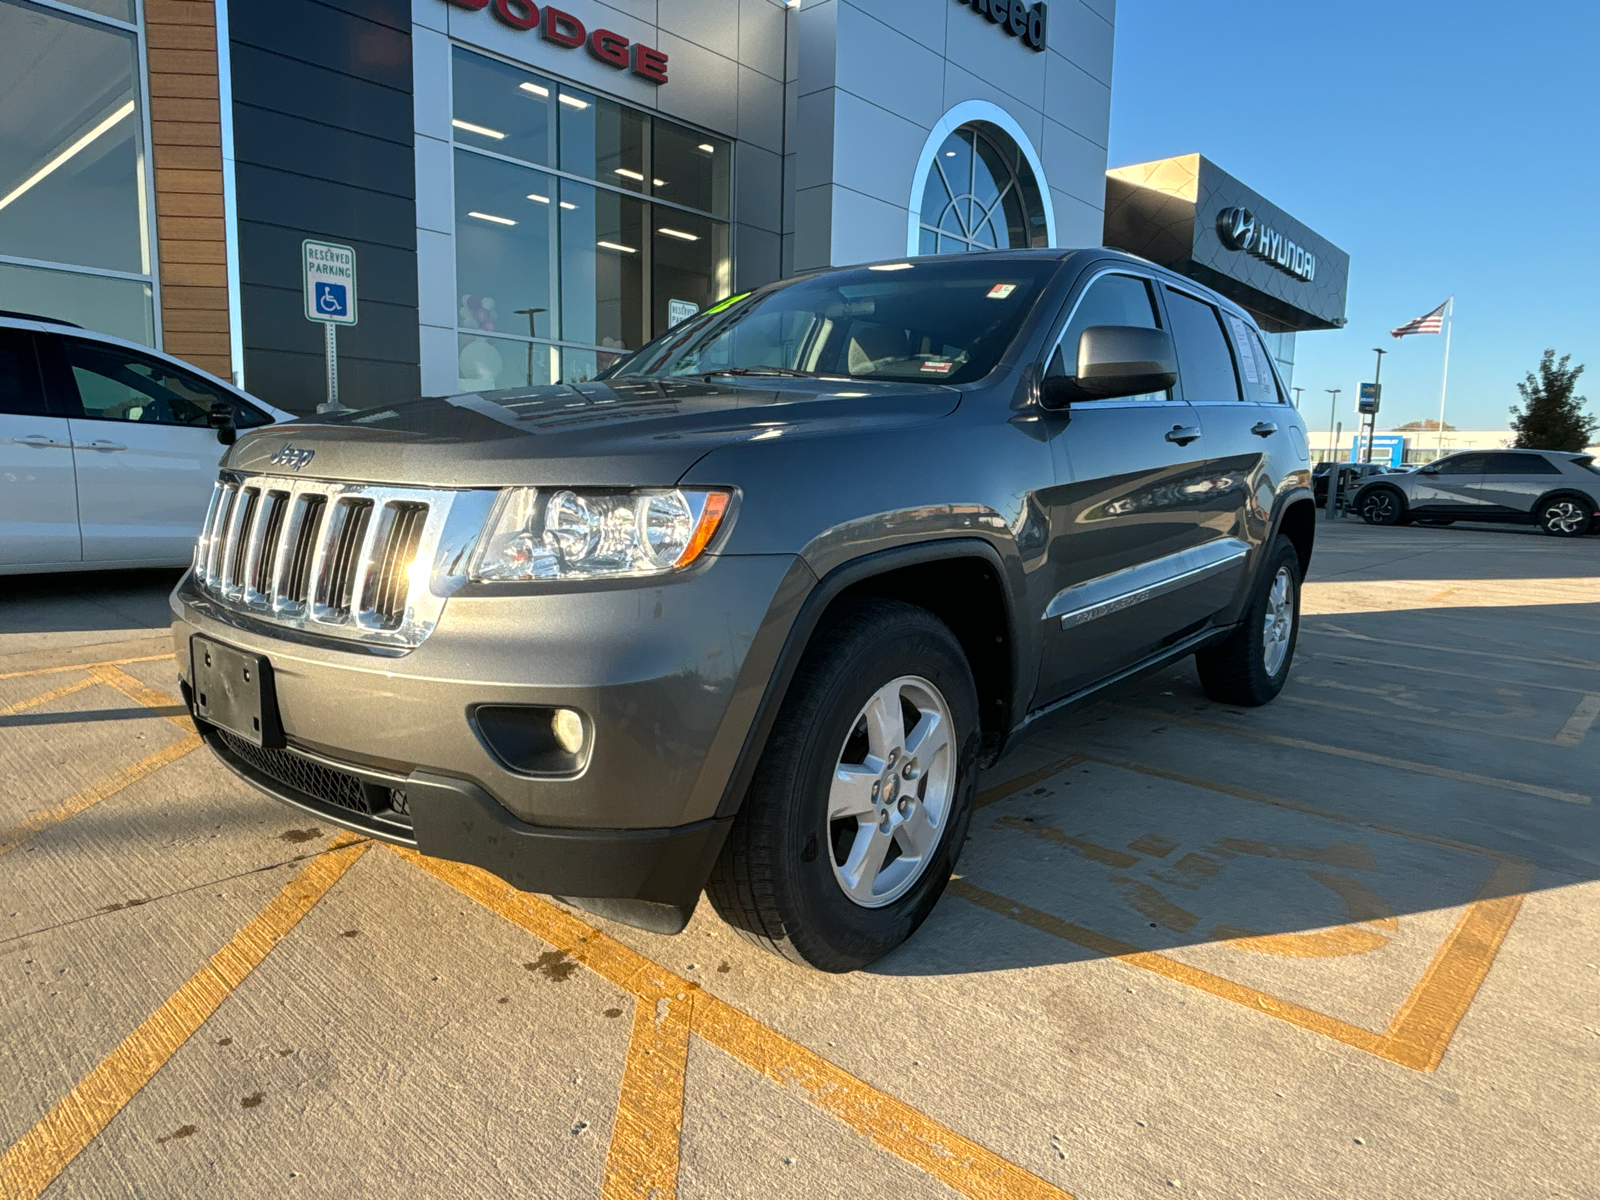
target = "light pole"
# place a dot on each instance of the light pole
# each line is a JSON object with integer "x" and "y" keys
{"x": 1333, "y": 415}
{"x": 1377, "y": 394}
{"x": 1334, "y": 470}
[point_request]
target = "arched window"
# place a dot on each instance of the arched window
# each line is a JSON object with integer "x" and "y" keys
{"x": 980, "y": 193}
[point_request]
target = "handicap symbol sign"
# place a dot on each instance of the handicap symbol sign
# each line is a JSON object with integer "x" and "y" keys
{"x": 332, "y": 299}
{"x": 329, "y": 271}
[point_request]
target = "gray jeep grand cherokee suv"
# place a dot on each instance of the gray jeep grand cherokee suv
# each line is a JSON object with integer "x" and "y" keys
{"x": 749, "y": 613}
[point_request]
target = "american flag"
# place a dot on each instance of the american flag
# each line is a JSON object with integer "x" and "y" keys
{"x": 1429, "y": 323}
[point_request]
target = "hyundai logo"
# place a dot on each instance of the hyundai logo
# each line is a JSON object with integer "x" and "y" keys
{"x": 1238, "y": 229}
{"x": 292, "y": 458}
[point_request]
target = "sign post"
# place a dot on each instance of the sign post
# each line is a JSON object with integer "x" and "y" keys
{"x": 329, "y": 272}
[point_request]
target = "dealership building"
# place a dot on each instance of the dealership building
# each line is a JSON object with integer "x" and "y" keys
{"x": 531, "y": 192}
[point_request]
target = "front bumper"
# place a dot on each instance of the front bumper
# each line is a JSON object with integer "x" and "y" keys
{"x": 456, "y": 819}
{"x": 668, "y": 676}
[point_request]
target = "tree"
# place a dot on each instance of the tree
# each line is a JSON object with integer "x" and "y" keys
{"x": 1550, "y": 416}
{"x": 1430, "y": 425}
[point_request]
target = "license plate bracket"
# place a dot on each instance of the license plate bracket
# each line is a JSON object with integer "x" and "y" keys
{"x": 233, "y": 690}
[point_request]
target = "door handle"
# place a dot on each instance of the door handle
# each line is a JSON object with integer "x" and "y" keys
{"x": 1263, "y": 429}
{"x": 102, "y": 444}
{"x": 38, "y": 439}
{"x": 1183, "y": 434}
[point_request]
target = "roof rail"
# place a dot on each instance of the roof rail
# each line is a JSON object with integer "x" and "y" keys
{"x": 22, "y": 316}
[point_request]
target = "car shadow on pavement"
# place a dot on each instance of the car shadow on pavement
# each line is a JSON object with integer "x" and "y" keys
{"x": 1421, "y": 761}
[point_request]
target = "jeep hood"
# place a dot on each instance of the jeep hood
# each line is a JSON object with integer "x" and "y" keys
{"x": 628, "y": 433}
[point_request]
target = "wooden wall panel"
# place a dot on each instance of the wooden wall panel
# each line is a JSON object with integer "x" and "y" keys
{"x": 186, "y": 146}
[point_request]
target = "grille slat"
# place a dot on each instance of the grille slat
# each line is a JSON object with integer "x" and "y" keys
{"x": 338, "y": 558}
{"x": 336, "y": 589}
{"x": 297, "y": 573}
{"x": 239, "y": 534}
{"x": 389, "y": 581}
{"x": 264, "y": 573}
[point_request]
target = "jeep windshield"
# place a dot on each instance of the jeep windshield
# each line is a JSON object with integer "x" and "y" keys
{"x": 944, "y": 321}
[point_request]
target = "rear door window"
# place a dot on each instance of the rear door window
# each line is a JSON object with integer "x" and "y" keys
{"x": 1255, "y": 368}
{"x": 1205, "y": 364}
{"x": 20, "y": 393}
{"x": 1520, "y": 464}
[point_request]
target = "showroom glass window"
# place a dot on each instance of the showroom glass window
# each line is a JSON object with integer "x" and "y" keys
{"x": 981, "y": 194}
{"x": 74, "y": 170}
{"x": 584, "y": 228}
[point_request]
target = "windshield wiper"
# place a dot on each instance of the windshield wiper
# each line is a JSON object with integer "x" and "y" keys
{"x": 787, "y": 372}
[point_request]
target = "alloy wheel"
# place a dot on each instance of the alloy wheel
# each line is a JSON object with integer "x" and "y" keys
{"x": 1379, "y": 507}
{"x": 1565, "y": 517}
{"x": 1278, "y": 623}
{"x": 891, "y": 793}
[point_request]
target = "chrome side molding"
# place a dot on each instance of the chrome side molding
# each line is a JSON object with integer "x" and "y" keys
{"x": 1100, "y": 597}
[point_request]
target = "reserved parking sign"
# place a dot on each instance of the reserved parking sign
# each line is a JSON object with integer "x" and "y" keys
{"x": 330, "y": 282}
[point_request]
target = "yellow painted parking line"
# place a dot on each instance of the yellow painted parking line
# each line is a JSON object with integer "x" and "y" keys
{"x": 138, "y": 690}
{"x": 1408, "y": 668}
{"x": 1575, "y": 664}
{"x": 1382, "y": 760}
{"x": 642, "y": 1161}
{"x": 1579, "y": 722}
{"x": 1481, "y": 729}
{"x": 1421, "y": 1029}
{"x": 1310, "y": 810}
{"x": 958, "y": 1162}
{"x": 42, "y": 1153}
{"x": 65, "y": 689}
{"x": 116, "y": 662}
{"x": 17, "y": 834}
{"x": 1012, "y": 786}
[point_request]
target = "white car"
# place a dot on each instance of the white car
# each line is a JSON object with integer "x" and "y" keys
{"x": 108, "y": 449}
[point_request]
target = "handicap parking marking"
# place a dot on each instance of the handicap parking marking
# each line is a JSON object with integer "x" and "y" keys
{"x": 1375, "y": 937}
{"x": 1381, "y": 760}
{"x": 670, "y": 1007}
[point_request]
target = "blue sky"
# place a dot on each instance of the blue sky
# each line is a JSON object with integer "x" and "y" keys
{"x": 1447, "y": 147}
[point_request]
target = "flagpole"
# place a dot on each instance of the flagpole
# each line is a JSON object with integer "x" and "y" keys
{"x": 1444, "y": 386}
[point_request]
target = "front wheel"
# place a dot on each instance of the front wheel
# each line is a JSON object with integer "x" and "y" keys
{"x": 860, "y": 803}
{"x": 1381, "y": 506}
{"x": 1251, "y": 667}
{"x": 1565, "y": 516}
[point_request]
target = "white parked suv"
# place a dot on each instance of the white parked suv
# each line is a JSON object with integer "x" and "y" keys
{"x": 1557, "y": 490}
{"x": 108, "y": 449}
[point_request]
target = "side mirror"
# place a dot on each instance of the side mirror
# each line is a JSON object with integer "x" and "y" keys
{"x": 221, "y": 419}
{"x": 1115, "y": 360}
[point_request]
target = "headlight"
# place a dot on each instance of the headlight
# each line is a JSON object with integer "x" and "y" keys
{"x": 535, "y": 534}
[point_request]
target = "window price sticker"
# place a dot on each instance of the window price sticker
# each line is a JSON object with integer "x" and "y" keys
{"x": 1001, "y": 290}
{"x": 935, "y": 367}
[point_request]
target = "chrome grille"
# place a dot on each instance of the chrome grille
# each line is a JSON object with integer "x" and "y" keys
{"x": 364, "y": 562}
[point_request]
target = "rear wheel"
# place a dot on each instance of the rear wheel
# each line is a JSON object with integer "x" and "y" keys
{"x": 861, "y": 801}
{"x": 1251, "y": 667}
{"x": 1381, "y": 506}
{"x": 1565, "y": 516}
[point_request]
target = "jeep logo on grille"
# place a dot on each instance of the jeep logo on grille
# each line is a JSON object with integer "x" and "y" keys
{"x": 292, "y": 458}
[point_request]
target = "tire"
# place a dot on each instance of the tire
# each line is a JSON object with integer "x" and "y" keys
{"x": 1565, "y": 516}
{"x": 1241, "y": 670}
{"x": 783, "y": 878}
{"x": 1381, "y": 506}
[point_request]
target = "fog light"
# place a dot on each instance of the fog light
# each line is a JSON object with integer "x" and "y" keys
{"x": 534, "y": 739}
{"x": 568, "y": 729}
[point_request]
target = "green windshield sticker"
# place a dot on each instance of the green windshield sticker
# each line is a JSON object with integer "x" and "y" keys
{"x": 716, "y": 308}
